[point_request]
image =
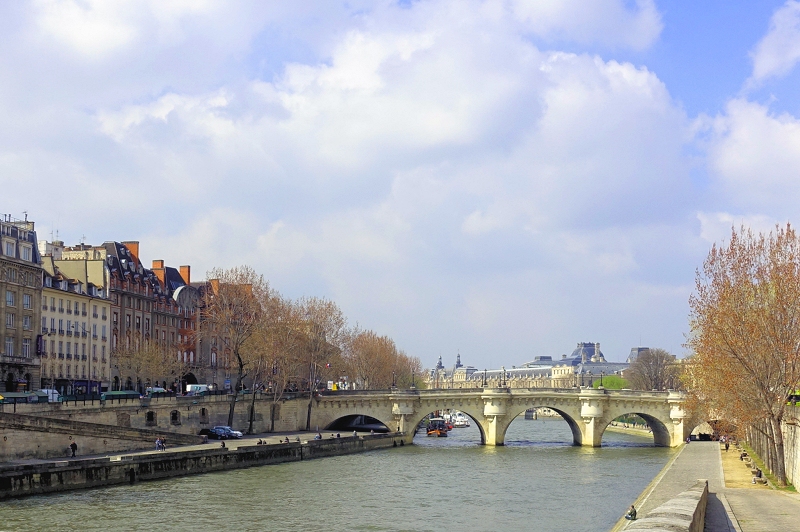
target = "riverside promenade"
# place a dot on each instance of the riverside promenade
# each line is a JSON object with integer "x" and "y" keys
{"x": 743, "y": 508}
{"x": 20, "y": 478}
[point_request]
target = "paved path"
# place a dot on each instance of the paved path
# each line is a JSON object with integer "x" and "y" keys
{"x": 729, "y": 509}
{"x": 269, "y": 438}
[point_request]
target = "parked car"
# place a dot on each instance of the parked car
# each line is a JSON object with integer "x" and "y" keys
{"x": 217, "y": 434}
{"x": 231, "y": 433}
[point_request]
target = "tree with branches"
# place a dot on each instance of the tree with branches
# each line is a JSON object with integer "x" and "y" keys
{"x": 325, "y": 331}
{"x": 233, "y": 308}
{"x": 653, "y": 369}
{"x": 745, "y": 333}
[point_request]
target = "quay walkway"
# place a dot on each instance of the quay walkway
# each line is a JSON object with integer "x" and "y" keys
{"x": 271, "y": 438}
{"x": 730, "y": 509}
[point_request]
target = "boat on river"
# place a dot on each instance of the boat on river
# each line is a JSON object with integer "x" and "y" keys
{"x": 460, "y": 420}
{"x": 437, "y": 427}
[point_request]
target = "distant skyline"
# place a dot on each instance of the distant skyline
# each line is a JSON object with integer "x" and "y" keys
{"x": 498, "y": 179}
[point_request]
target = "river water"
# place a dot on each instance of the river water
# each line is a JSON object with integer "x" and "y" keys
{"x": 537, "y": 482}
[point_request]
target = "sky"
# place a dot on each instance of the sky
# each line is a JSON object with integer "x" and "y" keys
{"x": 495, "y": 179}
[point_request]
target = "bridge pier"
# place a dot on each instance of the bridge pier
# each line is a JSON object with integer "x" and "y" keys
{"x": 495, "y": 419}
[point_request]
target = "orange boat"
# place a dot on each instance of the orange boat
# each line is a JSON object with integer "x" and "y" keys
{"x": 437, "y": 427}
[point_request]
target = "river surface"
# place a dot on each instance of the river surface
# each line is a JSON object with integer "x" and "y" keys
{"x": 537, "y": 482}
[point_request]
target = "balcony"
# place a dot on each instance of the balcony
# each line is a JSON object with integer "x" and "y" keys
{"x": 94, "y": 337}
{"x": 61, "y": 355}
{"x": 61, "y": 311}
{"x": 84, "y": 334}
{"x": 52, "y": 330}
{"x": 104, "y": 338}
{"x": 69, "y": 356}
{"x": 69, "y": 333}
{"x": 94, "y": 315}
{"x": 69, "y": 311}
{"x": 83, "y": 357}
{"x": 94, "y": 359}
{"x": 52, "y": 309}
{"x": 44, "y": 330}
{"x": 61, "y": 332}
{"x": 83, "y": 313}
{"x": 104, "y": 317}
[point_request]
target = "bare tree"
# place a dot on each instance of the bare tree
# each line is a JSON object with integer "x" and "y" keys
{"x": 745, "y": 333}
{"x": 653, "y": 369}
{"x": 325, "y": 330}
{"x": 233, "y": 308}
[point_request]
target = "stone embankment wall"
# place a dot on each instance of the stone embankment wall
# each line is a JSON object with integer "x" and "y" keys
{"x": 684, "y": 513}
{"x": 791, "y": 444}
{"x": 172, "y": 417}
{"x": 56, "y": 476}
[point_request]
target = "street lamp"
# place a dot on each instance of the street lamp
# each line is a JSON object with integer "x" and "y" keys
{"x": 602, "y": 373}
{"x": 484, "y": 378}
{"x": 394, "y": 380}
{"x": 413, "y": 382}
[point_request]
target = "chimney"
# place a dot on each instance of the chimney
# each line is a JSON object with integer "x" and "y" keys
{"x": 214, "y": 286}
{"x": 186, "y": 274}
{"x": 133, "y": 247}
{"x": 158, "y": 269}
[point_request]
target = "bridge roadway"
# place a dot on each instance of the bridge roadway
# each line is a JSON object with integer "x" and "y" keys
{"x": 588, "y": 411}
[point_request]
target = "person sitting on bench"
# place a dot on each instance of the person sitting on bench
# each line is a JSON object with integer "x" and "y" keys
{"x": 757, "y": 476}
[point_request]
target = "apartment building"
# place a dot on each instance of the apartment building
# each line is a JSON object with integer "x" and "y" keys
{"x": 75, "y": 347}
{"x": 20, "y": 303}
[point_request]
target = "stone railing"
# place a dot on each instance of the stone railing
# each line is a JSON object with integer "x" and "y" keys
{"x": 684, "y": 513}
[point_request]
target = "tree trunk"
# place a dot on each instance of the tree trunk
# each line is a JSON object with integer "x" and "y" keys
{"x": 780, "y": 466}
{"x": 239, "y": 379}
{"x": 252, "y": 412}
{"x": 272, "y": 417}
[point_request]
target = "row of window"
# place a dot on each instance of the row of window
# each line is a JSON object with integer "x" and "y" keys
{"x": 25, "y": 278}
{"x": 10, "y": 250}
{"x": 11, "y": 300}
{"x": 11, "y": 322}
{"x": 9, "y": 347}
{"x": 62, "y": 344}
{"x": 60, "y": 374}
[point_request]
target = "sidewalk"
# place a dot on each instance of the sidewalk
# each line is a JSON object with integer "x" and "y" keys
{"x": 248, "y": 440}
{"x": 741, "y": 509}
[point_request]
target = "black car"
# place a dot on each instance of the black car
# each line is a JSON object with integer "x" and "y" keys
{"x": 229, "y": 432}
{"x": 217, "y": 434}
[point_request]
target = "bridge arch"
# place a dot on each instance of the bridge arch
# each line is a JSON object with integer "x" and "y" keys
{"x": 659, "y": 425}
{"x": 570, "y": 415}
{"x": 469, "y": 411}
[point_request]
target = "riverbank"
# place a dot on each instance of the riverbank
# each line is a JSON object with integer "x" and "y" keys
{"x": 735, "y": 504}
{"x": 635, "y": 431}
{"x": 31, "y": 477}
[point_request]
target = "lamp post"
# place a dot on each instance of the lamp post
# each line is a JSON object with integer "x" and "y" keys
{"x": 413, "y": 382}
{"x": 602, "y": 373}
{"x": 484, "y": 378}
{"x": 394, "y": 380}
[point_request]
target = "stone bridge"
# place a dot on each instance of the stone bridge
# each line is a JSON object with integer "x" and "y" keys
{"x": 587, "y": 411}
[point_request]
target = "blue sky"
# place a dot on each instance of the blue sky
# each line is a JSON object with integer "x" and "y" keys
{"x": 500, "y": 179}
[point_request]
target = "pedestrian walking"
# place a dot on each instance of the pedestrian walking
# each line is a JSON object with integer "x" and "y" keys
{"x": 74, "y": 447}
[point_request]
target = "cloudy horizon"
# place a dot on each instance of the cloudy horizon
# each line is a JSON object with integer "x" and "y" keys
{"x": 496, "y": 179}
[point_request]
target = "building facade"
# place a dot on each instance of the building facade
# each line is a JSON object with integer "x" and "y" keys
{"x": 20, "y": 304}
{"x": 75, "y": 348}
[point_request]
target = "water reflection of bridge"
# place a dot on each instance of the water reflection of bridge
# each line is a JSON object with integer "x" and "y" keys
{"x": 587, "y": 411}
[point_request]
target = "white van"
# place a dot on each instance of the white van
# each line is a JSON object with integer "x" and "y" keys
{"x": 196, "y": 389}
{"x": 52, "y": 395}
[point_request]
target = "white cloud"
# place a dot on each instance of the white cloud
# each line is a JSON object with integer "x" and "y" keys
{"x": 778, "y": 51}
{"x": 716, "y": 227}
{"x": 754, "y": 156}
{"x": 612, "y": 23}
{"x": 428, "y": 168}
